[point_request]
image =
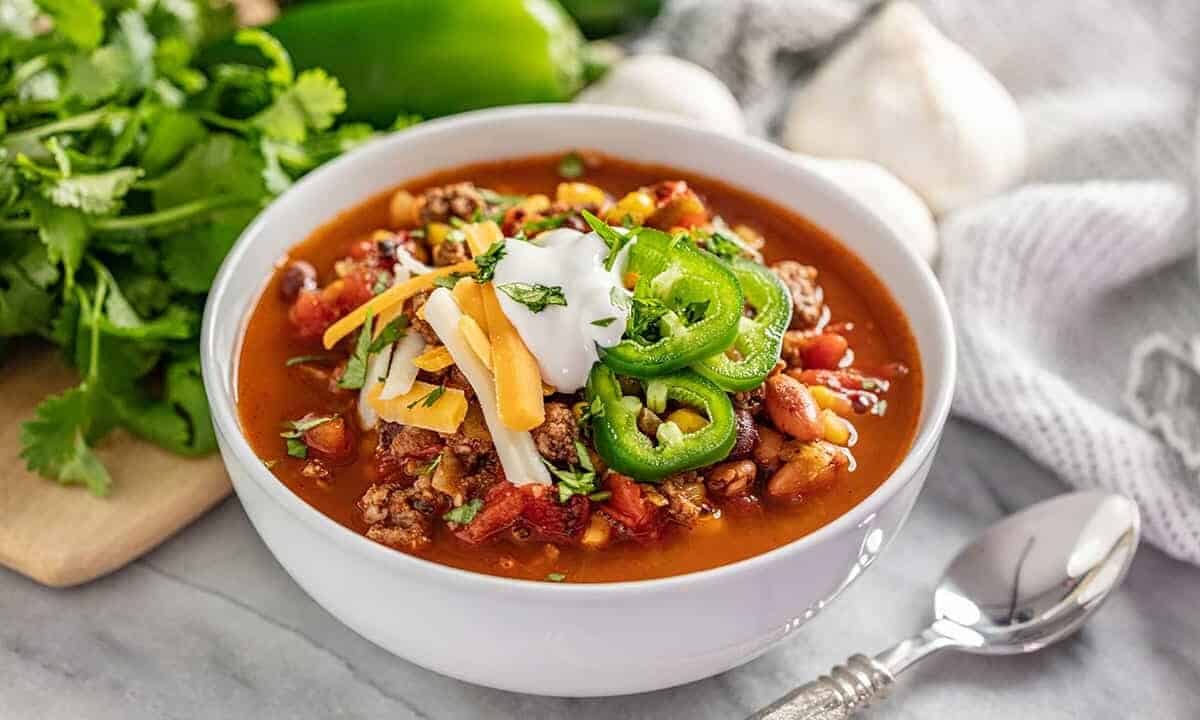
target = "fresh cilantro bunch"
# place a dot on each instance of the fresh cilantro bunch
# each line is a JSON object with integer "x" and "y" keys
{"x": 126, "y": 174}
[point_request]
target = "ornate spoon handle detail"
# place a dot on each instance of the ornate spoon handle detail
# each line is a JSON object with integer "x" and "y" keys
{"x": 844, "y": 691}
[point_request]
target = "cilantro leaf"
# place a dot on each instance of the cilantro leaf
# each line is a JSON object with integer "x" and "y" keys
{"x": 95, "y": 193}
{"x": 449, "y": 281}
{"x": 80, "y": 21}
{"x": 547, "y": 223}
{"x": 301, "y": 359}
{"x": 430, "y": 399}
{"x": 574, "y": 481}
{"x": 488, "y": 260}
{"x": 613, "y": 239}
{"x": 535, "y": 296}
{"x": 464, "y": 513}
{"x": 604, "y": 321}
{"x": 190, "y": 259}
{"x": 294, "y": 436}
{"x": 355, "y": 374}
{"x": 220, "y": 165}
{"x": 555, "y": 577}
{"x": 54, "y": 443}
{"x": 310, "y": 104}
{"x": 390, "y": 333}
{"x": 26, "y": 297}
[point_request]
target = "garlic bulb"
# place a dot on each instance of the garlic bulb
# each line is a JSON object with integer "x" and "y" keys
{"x": 902, "y": 95}
{"x": 893, "y": 202}
{"x": 668, "y": 84}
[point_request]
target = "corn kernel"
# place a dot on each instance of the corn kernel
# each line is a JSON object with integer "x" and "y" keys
{"x": 436, "y": 233}
{"x": 577, "y": 194}
{"x": 688, "y": 420}
{"x": 829, "y": 400}
{"x": 834, "y": 429}
{"x": 534, "y": 204}
{"x": 637, "y": 205}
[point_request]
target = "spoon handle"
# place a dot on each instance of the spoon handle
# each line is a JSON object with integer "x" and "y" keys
{"x": 844, "y": 691}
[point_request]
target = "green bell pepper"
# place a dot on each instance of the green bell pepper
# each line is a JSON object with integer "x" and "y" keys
{"x": 626, "y": 449}
{"x": 692, "y": 302}
{"x": 759, "y": 339}
{"x": 398, "y": 57}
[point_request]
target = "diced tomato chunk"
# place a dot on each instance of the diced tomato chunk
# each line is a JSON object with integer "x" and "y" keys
{"x": 332, "y": 440}
{"x": 502, "y": 506}
{"x": 548, "y": 520}
{"x": 824, "y": 351}
{"x": 311, "y": 315}
{"x": 629, "y": 507}
{"x": 357, "y": 288}
{"x": 362, "y": 249}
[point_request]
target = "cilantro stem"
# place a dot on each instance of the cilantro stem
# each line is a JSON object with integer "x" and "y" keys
{"x": 86, "y": 121}
{"x": 94, "y": 350}
{"x": 146, "y": 221}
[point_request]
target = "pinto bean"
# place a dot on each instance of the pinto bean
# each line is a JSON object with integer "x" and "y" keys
{"x": 769, "y": 449}
{"x": 792, "y": 408}
{"x": 814, "y": 466}
{"x": 297, "y": 276}
{"x": 732, "y": 478}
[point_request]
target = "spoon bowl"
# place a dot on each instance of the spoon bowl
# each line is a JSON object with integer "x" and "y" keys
{"x": 1036, "y": 576}
{"x": 1029, "y": 581}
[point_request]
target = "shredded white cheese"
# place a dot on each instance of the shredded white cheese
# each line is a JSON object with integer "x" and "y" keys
{"x": 518, "y": 454}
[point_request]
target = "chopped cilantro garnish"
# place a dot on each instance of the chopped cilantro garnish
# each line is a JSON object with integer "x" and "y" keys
{"x": 571, "y": 165}
{"x": 604, "y": 322}
{"x": 535, "y": 296}
{"x": 575, "y": 481}
{"x": 355, "y": 374}
{"x": 722, "y": 246}
{"x": 487, "y": 262}
{"x": 430, "y": 398}
{"x": 431, "y": 466}
{"x": 449, "y": 281}
{"x": 391, "y": 332}
{"x": 613, "y": 239}
{"x": 382, "y": 282}
{"x": 555, "y": 577}
{"x": 600, "y": 496}
{"x": 546, "y": 223}
{"x": 294, "y": 435}
{"x": 300, "y": 359}
{"x": 464, "y": 513}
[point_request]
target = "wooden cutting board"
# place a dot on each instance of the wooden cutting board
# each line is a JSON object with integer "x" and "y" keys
{"x": 62, "y": 535}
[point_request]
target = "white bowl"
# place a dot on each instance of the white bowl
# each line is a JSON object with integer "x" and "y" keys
{"x": 564, "y": 639}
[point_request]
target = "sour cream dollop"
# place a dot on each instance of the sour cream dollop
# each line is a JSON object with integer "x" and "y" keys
{"x": 564, "y": 339}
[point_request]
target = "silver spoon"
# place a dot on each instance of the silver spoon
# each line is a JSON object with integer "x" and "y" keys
{"x": 1032, "y": 579}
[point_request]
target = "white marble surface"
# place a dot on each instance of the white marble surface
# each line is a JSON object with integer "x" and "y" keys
{"x": 208, "y": 626}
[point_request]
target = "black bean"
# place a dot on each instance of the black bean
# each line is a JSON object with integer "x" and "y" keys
{"x": 297, "y": 276}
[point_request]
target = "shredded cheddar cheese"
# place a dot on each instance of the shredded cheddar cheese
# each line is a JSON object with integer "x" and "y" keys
{"x": 386, "y": 305}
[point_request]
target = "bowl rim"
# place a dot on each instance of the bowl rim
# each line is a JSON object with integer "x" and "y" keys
{"x": 224, "y": 406}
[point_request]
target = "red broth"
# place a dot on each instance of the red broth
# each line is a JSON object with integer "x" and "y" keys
{"x": 270, "y": 393}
